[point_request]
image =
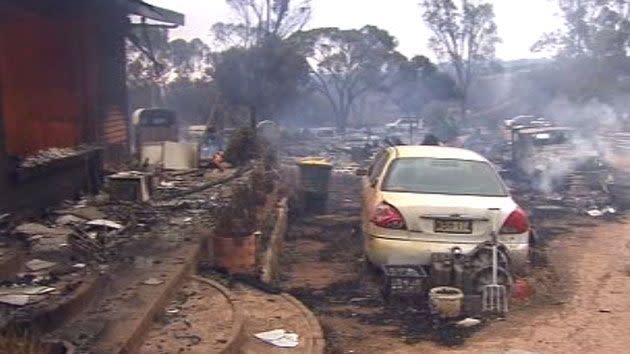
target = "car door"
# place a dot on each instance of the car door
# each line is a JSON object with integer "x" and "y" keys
{"x": 370, "y": 192}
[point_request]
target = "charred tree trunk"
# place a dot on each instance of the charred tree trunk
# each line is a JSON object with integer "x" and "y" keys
{"x": 344, "y": 121}
{"x": 341, "y": 119}
{"x": 343, "y": 113}
{"x": 464, "y": 106}
{"x": 253, "y": 119}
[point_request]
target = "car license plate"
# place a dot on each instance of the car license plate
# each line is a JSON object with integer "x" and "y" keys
{"x": 453, "y": 226}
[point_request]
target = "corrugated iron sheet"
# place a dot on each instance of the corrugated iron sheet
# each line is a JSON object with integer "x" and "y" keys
{"x": 63, "y": 82}
{"x": 115, "y": 130}
{"x": 40, "y": 79}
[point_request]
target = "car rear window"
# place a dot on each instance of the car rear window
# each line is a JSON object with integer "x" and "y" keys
{"x": 443, "y": 176}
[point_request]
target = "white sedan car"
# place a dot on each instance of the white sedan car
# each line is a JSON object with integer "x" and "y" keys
{"x": 419, "y": 200}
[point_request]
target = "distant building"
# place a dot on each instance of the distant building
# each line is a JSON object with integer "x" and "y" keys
{"x": 63, "y": 84}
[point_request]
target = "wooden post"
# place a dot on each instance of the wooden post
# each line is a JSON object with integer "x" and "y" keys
{"x": 112, "y": 83}
{"x": 4, "y": 172}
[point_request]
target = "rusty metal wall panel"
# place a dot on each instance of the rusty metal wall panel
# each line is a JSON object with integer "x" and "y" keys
{"x": 115, "y": 127}
{"x": 62, "y": 77}
{"x": 90, "y": 59}
{"x": 41, "y": 84}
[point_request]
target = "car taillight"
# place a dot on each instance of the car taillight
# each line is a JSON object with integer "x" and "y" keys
{"x": 516, "y": 223}
{"x": 388, "y": 217}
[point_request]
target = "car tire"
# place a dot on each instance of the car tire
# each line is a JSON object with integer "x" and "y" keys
{"x": 370, "y": 270}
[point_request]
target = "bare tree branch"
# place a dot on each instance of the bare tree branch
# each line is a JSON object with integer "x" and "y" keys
{"x": 261, "y": 19}
{"x": 465, "y": 35}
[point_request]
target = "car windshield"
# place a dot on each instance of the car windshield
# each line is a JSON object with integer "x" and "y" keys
{"x": 443, "y": 176}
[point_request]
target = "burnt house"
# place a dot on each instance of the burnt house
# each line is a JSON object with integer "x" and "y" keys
{"x": 63, "y": 92}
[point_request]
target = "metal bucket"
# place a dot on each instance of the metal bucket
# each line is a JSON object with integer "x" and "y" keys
{"x": 446, "y": 301}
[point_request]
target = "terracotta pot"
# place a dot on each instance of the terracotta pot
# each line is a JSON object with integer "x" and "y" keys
{"x": 234, "y": 254}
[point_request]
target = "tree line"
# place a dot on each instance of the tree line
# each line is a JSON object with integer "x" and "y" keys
{"x": 265, "y": 63}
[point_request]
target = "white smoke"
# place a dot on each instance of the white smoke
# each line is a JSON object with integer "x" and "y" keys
{"x": 590, "y": 118}
{"x": 593, "y": 121}
{"x": 553, "y": 166}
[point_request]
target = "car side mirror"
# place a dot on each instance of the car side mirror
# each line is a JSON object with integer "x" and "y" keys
{"x": 361, "y": 172}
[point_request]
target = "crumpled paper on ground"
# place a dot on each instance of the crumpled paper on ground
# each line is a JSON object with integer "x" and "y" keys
{"x": 279, "y": 338}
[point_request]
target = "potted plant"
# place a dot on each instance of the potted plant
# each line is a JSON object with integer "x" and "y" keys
{"x": 233, "y": 244}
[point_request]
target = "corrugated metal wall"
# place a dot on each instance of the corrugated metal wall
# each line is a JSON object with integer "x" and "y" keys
{"x": 62, "y": 83}
{"x": 115, "y": 126}
{"x": 63, "y": 80}
{"x": 41, "y": 87}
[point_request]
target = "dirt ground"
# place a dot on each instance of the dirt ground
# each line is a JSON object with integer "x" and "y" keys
{"x": 593, "y": 270}
{"x": 580, "y": 304}
{"x": 199, "y": 320}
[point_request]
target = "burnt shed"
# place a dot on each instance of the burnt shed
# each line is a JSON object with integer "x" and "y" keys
{"x": 63, "y": 95}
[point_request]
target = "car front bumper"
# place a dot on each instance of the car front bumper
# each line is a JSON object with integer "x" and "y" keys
{"x": 382, "y": 251}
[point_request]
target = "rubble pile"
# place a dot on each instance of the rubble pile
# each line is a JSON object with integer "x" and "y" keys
{"x": 556, "y": 182}
{"x": 348, "y": 153}
{"x": 80, "y": 239}
{"x": 44, "y": 157}
{"x": 172, "y": 185}
{"x": 581, "y": 195}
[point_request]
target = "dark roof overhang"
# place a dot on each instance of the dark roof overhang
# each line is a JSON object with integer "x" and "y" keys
{"x": 142, "y": 9}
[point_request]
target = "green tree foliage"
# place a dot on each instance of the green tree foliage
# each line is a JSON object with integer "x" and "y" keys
{"x": 172, "y": 74}
{"x": 152, "y": 59}
{"x": 418, "y": 82}
{"x": 463, "y": 33}
{"x": 189, "y": 57}
{"x": 592, "y": 48}
{"x": 145, "y": 46}
{"x": 262, "y": 78}
{"x": 596, "y": 28}
{"x": 346, "y": 64}
{"x": 441, "y": 120}
{"x": 259, "y": 70}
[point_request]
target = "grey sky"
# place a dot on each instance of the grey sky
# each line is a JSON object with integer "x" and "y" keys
{"x": 520, "y": 22}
